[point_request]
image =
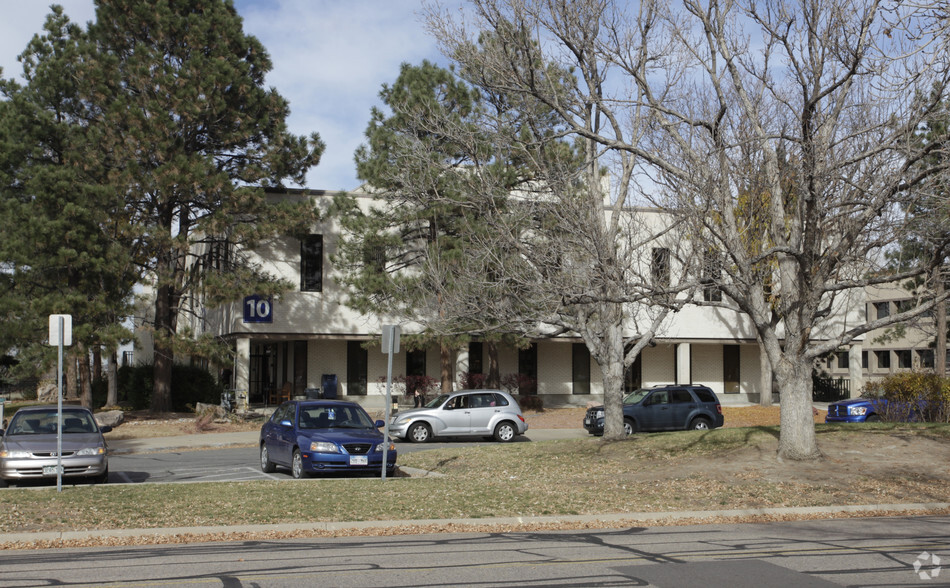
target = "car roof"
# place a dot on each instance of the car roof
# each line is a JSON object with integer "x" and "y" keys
{"x": 325, "y": 402}
{"x": 50, "y": 407}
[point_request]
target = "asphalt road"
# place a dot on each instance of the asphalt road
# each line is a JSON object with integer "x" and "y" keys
{"x": 842, "y": 552}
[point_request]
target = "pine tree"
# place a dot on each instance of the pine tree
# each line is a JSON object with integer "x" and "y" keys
{"x": 190, "y": 136}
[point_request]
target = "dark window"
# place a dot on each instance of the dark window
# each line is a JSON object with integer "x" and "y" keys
{"x": 632, "y": 376}
{"x": 660, "y": 267}
{"x": 926, "y": 358}
{"x": 844, "y": 361}
{"x": 475, "y": 365}
{"x": 712, "y": 274}
{"x": 416, "y": 362}
{"x": 374, "y": 256}
{"x": 580, "y": 373}
{"x": 882, "y": 309}
{"x": 680, "y": 396}
{"x": 528, "y": 370}
{"x": 904, "y": 359}
{"x": 500, "y": 400}
{"x": 311, "y": 264}
{"x": 905, "y": 305}
{"x": 658, "y": 397}
{"x": 864, "y": 360}
{"x": 730, "y": 369}
{"x": 356, "y": 368}
{"x": 705, "y": 394}
{"x": 883, "y": 359}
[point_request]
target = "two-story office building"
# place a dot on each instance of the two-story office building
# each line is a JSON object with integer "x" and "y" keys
{"x": 309, "y": 339}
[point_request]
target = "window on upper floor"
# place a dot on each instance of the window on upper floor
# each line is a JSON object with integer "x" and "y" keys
{"x": 712, "y": 274}
{"x": 905, "y": 305}
{"x": 311, "y": 263}
{"x": 904, "y": 358}
{"x": 660, "y": 267}
{"x": 844, "y": 361}
{"x": 883, "y": 359}
{"x": 882, "y": 310}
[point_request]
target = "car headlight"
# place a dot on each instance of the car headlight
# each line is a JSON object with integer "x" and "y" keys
{"x": 379, "y": 447}
{"x": 401, "y": 420}
{"x": 857, "y": 410}
{"x": 324, "y": 447}
{"x": 15, "y": 454}
{"x": 91, "y": 451}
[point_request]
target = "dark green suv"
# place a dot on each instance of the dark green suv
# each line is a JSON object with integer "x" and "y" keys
{"x": 663, "y": 408}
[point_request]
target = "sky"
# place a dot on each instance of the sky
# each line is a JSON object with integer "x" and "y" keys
{"x": 330, "y": 58}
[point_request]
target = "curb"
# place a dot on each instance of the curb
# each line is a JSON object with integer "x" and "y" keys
{"x": 419, "y": 526}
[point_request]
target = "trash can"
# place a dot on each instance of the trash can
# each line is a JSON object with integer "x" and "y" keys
{"x": 312, "y": 393}
{"x": 329, "y": 385}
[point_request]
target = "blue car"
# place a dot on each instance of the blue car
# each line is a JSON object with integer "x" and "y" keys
{"x": 323, "y": 436}
{"x": 855, "y": 410}
{"x": 663, "y": 408}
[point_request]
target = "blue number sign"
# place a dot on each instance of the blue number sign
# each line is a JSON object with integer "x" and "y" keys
{"x": 258, "y": 309}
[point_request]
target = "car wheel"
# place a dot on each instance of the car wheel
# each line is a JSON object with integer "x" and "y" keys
{"x": 629, "y": 426}
{"x": 874, "y": 418}
{"x": 420, "y": 433}
{"x": 505, "y": 432}
{"x": 699, "y": 424}
{"x": 296, "y": 466}
{"x": 267, "y": 466}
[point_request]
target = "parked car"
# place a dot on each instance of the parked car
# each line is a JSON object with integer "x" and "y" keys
{"x": 855, "y": 410}
{"x": 29, "y": 444}
{"x": 323, "y": 436}
{"x": 663, "y": 408}
{"x": 464, "y": 413}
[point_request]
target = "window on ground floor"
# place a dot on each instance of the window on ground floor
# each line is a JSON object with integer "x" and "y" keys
{"x": 580, "y": 368}
{"x": 883, "y": 359}
{"x": 904, "y": 358}
{"x": 528, "y": 370}
{"x": 357, "y": 362}
{"x": 730, "y": 369}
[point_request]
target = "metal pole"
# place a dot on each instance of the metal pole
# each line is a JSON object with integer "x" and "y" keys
{"x": 59, "y": 409}
{"x": 389, "y": 397}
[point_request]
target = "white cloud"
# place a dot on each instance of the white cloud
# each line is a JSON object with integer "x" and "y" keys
{"x": 330, "y": 60}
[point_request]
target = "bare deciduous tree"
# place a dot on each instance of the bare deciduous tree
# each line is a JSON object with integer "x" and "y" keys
{"x": 803, "y": 111}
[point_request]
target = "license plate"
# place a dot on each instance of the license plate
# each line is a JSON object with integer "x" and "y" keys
{"x": 50, "y": 470}
{"x": 359, "y": 460}
{"x": 586, "y": 421}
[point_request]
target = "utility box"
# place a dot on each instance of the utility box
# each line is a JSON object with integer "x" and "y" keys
{"x": 329, "y": 385}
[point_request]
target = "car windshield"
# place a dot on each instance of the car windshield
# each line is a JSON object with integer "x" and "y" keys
{"x": 437, "y": 401}
{"x": 636, "y": 396}
{"x": 44, "y": 423}
{"x": 340, "y": 417}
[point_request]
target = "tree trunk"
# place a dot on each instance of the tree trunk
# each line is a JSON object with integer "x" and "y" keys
{"x": 70, "y": 390}
{"x": 797, "y": 440}
{"x": 765, "y": 382}
{"x": 493, "y": 379}
{"x": 112, "y": 397}
{"x": 940, "y": 349}
{"x": 447, "y": 356}
{"x": 612, "y": 368}
{"x": 96, "y": 363}
{"x": 85, "y": 378}
{"x": 164, "y": 354}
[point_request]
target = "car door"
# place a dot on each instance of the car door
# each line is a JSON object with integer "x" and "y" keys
{"x": 656, "y": 414}
{"x": 682, "y": 405}
{"x": 456, "y": 416}
{"x": 482, "y": 411}
{"x": 284, "y": 435}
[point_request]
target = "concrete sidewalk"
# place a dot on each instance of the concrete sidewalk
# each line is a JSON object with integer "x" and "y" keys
{"x": 250, "y": 438}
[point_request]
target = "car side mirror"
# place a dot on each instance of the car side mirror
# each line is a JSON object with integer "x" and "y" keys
{"x": 286, "y": 423}
{"x": 380, "y": 423}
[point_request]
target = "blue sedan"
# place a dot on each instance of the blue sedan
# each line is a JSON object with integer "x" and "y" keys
{"x": 323, "y": 436}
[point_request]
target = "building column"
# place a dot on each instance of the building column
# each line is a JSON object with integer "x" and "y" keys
{"x": 683, "y": 364}
{"x": 242, "y": 366}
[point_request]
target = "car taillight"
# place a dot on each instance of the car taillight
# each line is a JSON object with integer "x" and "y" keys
{"x": 719, "y": 408}
{"x": 521, "y": 417}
